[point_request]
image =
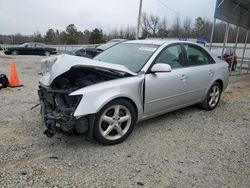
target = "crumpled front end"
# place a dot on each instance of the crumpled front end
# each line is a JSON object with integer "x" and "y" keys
{"x": 58, "y": 106}
{"x": 63, "y": 75}
{"x": 57, "y": 109}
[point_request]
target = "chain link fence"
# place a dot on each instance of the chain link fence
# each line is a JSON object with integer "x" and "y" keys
{"x": 243, "y": 57}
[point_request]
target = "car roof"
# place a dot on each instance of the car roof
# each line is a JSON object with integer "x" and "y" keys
{"x": 118, "y": 40}
{"x": 158, "y": 42}
{"x": 33, "y": 43}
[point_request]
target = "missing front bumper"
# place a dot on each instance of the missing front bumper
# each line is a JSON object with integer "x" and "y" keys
{"x": 57, "y": 111}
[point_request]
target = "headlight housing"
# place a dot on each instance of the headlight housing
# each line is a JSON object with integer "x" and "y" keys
{"x": 47, "y": 63}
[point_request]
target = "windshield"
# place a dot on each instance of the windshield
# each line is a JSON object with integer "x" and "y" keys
{"x": 132, "y": 56}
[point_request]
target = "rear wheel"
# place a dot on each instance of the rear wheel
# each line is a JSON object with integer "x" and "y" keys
{"x": 115, "y": 122}
{"x": 234, "y": 67}
{"x": 14, "y": 52}
{"x": 213, "y": 97}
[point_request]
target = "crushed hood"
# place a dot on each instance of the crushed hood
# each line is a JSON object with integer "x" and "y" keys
{"x": 65, "y": 62}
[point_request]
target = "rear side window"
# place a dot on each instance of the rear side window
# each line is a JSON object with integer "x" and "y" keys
{"x": 39, "y": 45}
{"x": 31, "y": 45}
{"x": 80, "y": 52}
{"x": 197, "y": 56}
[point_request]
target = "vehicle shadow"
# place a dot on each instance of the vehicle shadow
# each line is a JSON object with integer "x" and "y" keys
{"x": 156, "y": 123}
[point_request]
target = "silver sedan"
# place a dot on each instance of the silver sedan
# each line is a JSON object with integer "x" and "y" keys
{"x": 106, "y": 96}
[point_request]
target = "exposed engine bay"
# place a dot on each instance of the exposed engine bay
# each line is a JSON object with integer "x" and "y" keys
{"x": 57, "y": 107}
{"x": 78, "y": 77}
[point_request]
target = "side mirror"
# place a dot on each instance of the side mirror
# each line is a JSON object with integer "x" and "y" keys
{"x": 26, "y": 46}
{"x": 161, "y": 67}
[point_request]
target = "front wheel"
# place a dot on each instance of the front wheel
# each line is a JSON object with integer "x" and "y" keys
{"x": 213, "y": 97}
{"x": 114, "y": 122}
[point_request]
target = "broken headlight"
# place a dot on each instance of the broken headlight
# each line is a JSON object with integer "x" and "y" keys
{"x": 46, "y": 64}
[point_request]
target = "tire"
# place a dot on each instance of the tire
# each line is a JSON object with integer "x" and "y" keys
{"x": 14, "y": 52}
{"x": 47, "y": 53}
{"x": 111, "y": 127}
{"x": 213, "y": 97}
{"x": 234, "y": 67}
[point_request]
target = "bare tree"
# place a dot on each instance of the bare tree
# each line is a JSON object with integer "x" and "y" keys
{"x": 187, "y": 28}
{"x": 151, "y": 25}
{"x": 162, "y": 30}
{"x": 176, "y": 28}
{"x": 130, "y": 33}
{"x": 144, "y": 25}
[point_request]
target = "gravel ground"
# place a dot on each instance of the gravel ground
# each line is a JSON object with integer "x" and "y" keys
{"x": 185, "y": 148}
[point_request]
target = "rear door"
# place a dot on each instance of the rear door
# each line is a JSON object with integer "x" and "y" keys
{"x": 201, "y": 71}
{"x": 30, "y": 49}
{"x": 39, "y": 49}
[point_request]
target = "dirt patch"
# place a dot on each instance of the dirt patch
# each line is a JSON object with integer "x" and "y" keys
{"x": 186, "y": 148}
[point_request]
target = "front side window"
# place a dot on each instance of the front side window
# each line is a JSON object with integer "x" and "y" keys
{"x": 197, "y": 56}
{"x": 131, "y": 55}
{"x": 173, "y": 56}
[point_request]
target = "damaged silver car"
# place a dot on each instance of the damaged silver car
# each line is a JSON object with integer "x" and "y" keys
{"x": 106, "y": 96}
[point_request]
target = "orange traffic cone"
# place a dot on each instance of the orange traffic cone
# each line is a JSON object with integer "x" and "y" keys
{"x": 13, "y": 80}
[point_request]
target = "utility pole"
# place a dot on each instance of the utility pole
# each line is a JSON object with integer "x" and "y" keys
{"x": 139, "y": 21}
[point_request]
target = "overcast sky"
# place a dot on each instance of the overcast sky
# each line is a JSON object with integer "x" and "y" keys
{"x": 28, "y": 16}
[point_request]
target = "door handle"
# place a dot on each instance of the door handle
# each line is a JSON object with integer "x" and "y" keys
{"x": 211, "y": 72}
{"x": 184, "y": 77}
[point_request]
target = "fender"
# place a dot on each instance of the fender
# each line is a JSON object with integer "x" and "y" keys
{"x": 98, "y": 95}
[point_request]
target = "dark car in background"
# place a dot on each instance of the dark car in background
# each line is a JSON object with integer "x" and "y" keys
{"x": 30, "y": 48}
{"x": 91, "y": 52}
{"x": 84, "y": 51}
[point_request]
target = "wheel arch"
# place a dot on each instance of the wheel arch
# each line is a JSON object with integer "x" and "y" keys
{"x": 219, "y": 81}
{"x": 100, "y": 102}
{"x": 130, "y": 101}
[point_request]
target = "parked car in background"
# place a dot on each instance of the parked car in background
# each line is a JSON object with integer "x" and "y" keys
{"x": 30, "y": 48}
{"x": 91, "y": 52}
{"x": 106, "y": 96}
{"x": 230, "y": 57}
{"x": 88, "y": 52}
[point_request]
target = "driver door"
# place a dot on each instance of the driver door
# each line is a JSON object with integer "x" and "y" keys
{"x": 165, "y": 91}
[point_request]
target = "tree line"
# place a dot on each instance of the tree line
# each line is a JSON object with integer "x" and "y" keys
{"x": 152, "y": 26}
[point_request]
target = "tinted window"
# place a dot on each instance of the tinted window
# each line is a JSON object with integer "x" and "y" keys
{"x": 80, "y": 52}
{"x": 132, "y": 56}
{"x": 31, "y": 45}
{"x": 173, "y": 56}
{"x": 197, "y": 56}
{"x": 39, "y": 45}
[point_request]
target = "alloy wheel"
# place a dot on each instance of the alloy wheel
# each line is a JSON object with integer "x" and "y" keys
{"x": 214, "y": 96}
{"x": 115, "y": 122}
